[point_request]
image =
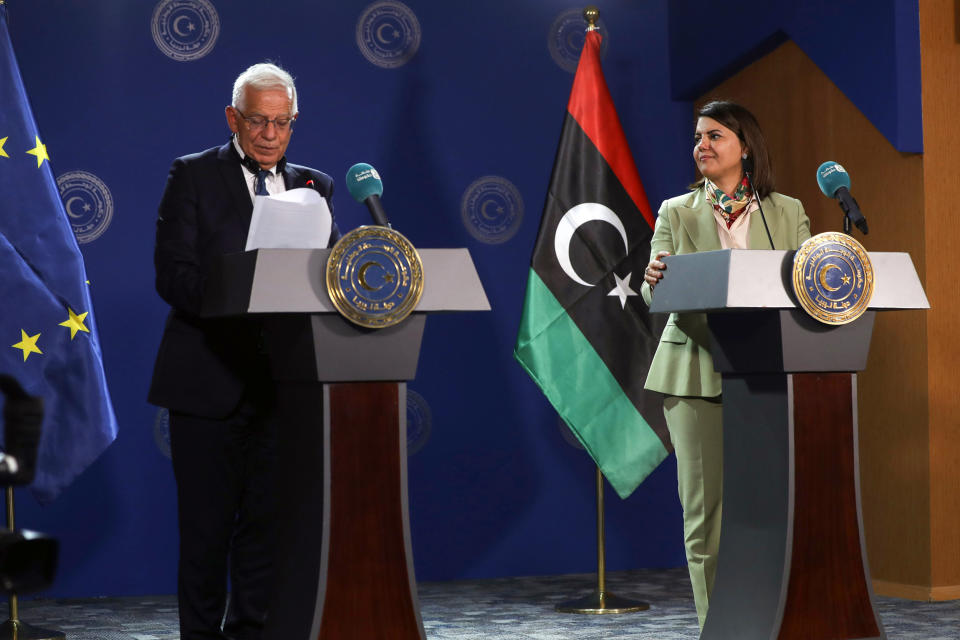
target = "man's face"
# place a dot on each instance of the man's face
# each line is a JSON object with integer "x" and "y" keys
{"x": 265, "y": 143}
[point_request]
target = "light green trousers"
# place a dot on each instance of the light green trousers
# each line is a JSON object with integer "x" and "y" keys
{"x": 696, "y": 431}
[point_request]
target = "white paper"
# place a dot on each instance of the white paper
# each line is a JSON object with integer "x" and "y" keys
{"x": 295, "y": 219}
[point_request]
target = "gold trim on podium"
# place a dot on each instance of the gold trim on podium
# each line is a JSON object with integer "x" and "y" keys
{"x": 848, "y": 297}
{"x": 391, "y": 253}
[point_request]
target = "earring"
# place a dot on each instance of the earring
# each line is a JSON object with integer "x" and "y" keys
{"x": 744, "y": 156}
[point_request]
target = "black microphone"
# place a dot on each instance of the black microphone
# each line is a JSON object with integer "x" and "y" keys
{"x": 365, "y": 186}
{"x": 834, "y": 182}
{"x": 747, "y": 163}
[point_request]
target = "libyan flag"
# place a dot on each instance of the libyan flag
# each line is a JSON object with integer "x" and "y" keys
{"x": 586, "y": 337}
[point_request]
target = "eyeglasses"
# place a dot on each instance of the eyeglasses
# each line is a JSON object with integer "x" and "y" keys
{"x": 256, "y": 123}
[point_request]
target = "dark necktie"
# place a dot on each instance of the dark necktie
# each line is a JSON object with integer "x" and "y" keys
{"x": 261, "y": 183}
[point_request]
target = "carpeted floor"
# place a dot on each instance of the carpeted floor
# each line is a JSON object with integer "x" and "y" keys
{"x": 506, "y": 608}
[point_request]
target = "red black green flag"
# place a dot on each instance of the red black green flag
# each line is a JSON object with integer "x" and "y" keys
{"x": 586, "y": 337}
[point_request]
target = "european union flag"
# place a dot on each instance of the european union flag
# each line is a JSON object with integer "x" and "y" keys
{"x": 48, "y": 339}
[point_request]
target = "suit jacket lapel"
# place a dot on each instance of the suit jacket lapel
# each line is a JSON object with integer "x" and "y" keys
{"x": 232, "y": 174}
{"x": 757, "y": 237}
{"x": 291, "y": 178}
{"x": 698, "y": 221}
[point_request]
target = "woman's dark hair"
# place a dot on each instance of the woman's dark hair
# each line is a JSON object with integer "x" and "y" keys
{"x": 741, "y": 122}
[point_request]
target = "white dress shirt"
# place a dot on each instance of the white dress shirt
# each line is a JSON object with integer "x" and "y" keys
{"x": 737, "y": 236}
{"x": 274, "y": 181}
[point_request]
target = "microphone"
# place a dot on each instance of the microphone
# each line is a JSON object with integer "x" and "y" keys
{"x": 365, "y": 186}
{"x": 747, "y": 163}
{"x": 834, "y": 181}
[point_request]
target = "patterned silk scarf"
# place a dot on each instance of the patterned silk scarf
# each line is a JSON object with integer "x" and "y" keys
{"x": 729, "y": 208}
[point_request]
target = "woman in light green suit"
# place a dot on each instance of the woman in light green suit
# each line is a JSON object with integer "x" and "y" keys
{"x": 720, "y": 212}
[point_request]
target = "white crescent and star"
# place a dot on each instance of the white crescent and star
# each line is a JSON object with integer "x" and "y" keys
{"x": 380, "y": 33}
{"x": 176, "y": 26}
{"x": 622, "y": 289}
{"x": 68, "y": 206}
{"x": 483, "y": 210}
{"x": 567, "y": 227}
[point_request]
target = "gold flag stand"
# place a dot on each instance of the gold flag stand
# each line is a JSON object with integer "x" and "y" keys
{"x": 601, "y": 601}
{"x": 14, "y": 629}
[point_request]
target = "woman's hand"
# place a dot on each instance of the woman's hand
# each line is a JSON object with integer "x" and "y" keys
{"x": 655, "y": 269}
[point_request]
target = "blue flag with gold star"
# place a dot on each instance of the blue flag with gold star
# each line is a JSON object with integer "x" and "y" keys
{"x": 48, "y": 338}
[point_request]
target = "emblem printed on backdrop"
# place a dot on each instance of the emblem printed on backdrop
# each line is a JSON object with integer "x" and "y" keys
{"x": 566, "y": 37}
{"x": 88, "y": 203}
{"x": 419, "y": 422}
{"x": 185, "y": 30}
{"x": 586, "y": 337}
{"x": 388, "y": 34}
{"x": 50, "y": 336}
{"x": 492, "y": 209}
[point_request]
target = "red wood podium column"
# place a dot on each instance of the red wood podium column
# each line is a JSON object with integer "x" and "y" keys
{"x": 827, "y": 593}
{"x": 367, "y": 586}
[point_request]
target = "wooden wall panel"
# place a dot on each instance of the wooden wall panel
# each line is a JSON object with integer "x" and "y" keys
{"x": 940, "y": 60}
{"x": 807, "y": 121}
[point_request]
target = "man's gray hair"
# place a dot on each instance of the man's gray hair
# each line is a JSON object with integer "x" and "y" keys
{"x": 262, "y": 76}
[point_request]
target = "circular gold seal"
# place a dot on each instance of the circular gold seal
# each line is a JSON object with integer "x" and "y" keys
{"x": 833, "y": 278}
{"x": 374, "y": 277}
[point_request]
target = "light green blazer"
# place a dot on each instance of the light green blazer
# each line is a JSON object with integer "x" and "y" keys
{"x": 682, "y": 365}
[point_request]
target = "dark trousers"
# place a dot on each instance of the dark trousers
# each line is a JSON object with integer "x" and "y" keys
{"x": 225, "y": 497}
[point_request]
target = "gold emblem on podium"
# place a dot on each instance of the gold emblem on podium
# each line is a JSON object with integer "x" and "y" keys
{"x": 374, "y": 277}
{"x": 833, "y": 278}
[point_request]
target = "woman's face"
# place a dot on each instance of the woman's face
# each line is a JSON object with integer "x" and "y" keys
{"x": 717, "y": 152}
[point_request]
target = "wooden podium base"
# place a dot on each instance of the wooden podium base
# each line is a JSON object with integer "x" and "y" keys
{"x": 792, "y": 563}
{"x": 370, "y": 590}
{"x": 344, "y": 570}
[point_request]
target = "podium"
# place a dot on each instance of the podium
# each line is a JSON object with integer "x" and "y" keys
{"x": 344, "y": 567}
{"x": 792, "y": 563}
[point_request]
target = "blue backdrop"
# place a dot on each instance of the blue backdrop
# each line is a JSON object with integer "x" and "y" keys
{"x": 457, "y": 105}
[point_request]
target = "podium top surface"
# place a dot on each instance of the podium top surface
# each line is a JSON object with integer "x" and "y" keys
{"x": 294, "y": 281}
{"x": 738, "y": 279}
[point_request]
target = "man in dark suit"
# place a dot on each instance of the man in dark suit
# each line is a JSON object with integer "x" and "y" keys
{"x": 211, "y": 374}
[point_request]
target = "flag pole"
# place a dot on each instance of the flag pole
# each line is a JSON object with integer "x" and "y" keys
{"x": 601, "y": 601}
{"x": 14, "y": 629}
